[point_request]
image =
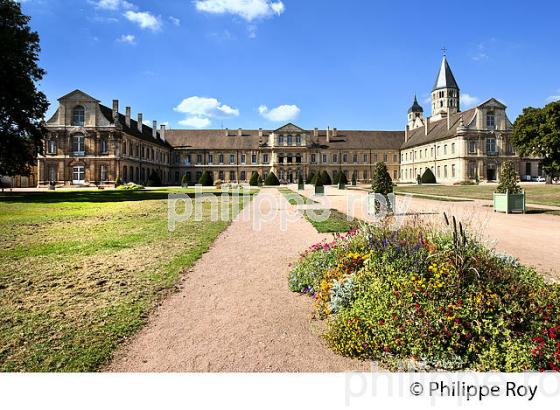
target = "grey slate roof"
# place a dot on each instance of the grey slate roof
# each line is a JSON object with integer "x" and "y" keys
{"x": 133, "y": 130}
{"x": 345, "y": 139}
{"x": 445, "y": 78}
{"x": 437, "y": 130}
{"x": 415, "y": 106}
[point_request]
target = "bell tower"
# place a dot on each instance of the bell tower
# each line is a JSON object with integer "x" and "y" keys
{"x": 446, "y": 93}
{"x": 415, "y": 115}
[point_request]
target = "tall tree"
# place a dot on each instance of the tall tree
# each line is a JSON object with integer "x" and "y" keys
{"x": 22, "y": 105}
{"x": 537, "y": 132}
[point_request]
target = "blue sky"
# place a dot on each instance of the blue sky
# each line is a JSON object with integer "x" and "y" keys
{"x": 352, "y": 64}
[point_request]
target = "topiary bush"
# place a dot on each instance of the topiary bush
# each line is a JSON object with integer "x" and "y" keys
{"x": 381, "y": 180}
{"x": 508, "y": 179}
{"x": 206, "y": 179}
{"x": 342, "y": 178}
{"x": 418, "y": 299}
{"x": 326, "y": 178}
{"x": 310, "y": 178}
{"x": 254, "y": 181}
{"x": 354, "y": 179}
{"x": 154, "y": 179}
{"x": 428, "y": 177}
{"x": 271, "y": 180}
{"x": 336, "y": 178}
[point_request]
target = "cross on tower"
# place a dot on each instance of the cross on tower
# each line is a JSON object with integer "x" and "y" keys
{"x": 444, "y": 50}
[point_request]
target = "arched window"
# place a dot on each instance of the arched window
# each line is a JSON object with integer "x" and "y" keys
{"x": 78, "y": 116}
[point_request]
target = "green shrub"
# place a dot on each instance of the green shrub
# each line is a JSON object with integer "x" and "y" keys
{"x": 336, "y": 178}
{"x": 310, "y": 178}
{"x": 254, "y": 181}
{"x": 118, "y": 182}
{"x": 342, "y": 178}
{"x": 131, "y": 186}
{"x": 354, "y": 178}
{"x": 428, "y": 177}
{"x": 206, "y": 179}
{"x": 508, "y": 179}
{"x": 271, "y": 180}
{"x": 153, "y": 179}
{"x": 421, "y": 299}
{"x": 381, "y": 180}
{"x": 326, "y": 178}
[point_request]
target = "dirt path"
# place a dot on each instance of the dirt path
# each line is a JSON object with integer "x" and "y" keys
{"x": 234, "y": 312}
{"x": 533, "y": 238}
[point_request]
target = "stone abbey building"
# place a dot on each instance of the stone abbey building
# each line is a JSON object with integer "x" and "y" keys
{"x": 91, "y": 144}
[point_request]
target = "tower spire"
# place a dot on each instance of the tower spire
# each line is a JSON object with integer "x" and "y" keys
{"x": 445, "y": 93}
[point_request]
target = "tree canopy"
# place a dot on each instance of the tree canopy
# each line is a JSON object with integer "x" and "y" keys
{"x": 22, "y": 105}
{"x": 508, "y": 179}
{"x": 536, "y": 132}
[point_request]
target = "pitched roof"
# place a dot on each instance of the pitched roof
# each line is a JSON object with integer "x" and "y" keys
{"x": 133, "y": 130}
{"x": 437, "y": 130}
{"x": 344, "y": 139}
{"x": 415, "y": 106}
{"x": 445, "y": 78}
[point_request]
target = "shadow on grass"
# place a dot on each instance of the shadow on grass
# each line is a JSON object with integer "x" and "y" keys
{"x": 91, "y": 196}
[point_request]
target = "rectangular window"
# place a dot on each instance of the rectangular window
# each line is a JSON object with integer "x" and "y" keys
{"x": 232, "y": 159}
{"x": 395, "y": 158}
{"x": 52, "y": 173}
{"x": 242, "y": 176}
{"x": 243, "y": 158}
{"x": 335, "y": 158}
{"x": 265, "y": 158}
{"x": 298, "y": 139}
{"x": 199, "y": 159}
{"x": 289, "y": 140}
{"x": 385, "y": 158}
{"x": 313, "y": 158}
{"x": 490, "y": 121}
{"x": 51, "y": 147}
{"x": 472, "y": 147}
{"x": 445, "y": 171}
{"x": 254, "y": 158}
{"x": 355, "y": 158}
{"x": 210, "y": 158}
{"x": 491, "y": 146}
{"x": 221, "y": 175}
{"x": 103, "y": 173}
{"x": 344, "y": 158}
{"x": 374, "y": 157}
{"x": 231, "y": 175}
{"x": 104, "y": 146}
{"x": 281, "y": 140}
{"x": 78, "y": 144}
{"x": 325, "y": 158}
{"x": 221, "y": 158}
{"x": 366, "y": 158}
{"x": 78, "y": 175}
{"x": 445, "y": 149}
{"x": 453, "y": 170}
{"x": 453, "y": 148}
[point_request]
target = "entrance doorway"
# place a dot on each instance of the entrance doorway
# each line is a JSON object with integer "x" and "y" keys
{"x": 491, "y": 172}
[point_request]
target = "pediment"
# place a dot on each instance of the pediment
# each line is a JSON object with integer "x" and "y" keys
{"x": 493, "y": 103}
{"x": 289, "y": 128}
{"x": 78, "y": 95}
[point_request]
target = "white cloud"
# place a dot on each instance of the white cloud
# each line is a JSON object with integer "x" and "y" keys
{"x": 175, "y": 21}
{"x": 196, "y": 122}
{"x": 247, "y": 9}
{"x": 144, "y": 19}
{"x": 553, "y": 98}
{"x": 113, "y": 4}
{"x": 280, "y": 114}
{"x": 127, "y": 39}
{"x": 205, "y": 106}
{"x": 200, "y": 111}
{"x": 468, "y": 100}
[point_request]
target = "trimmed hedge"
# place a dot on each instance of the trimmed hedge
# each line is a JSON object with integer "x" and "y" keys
{"x": 428, "y": 177}
{"x": 153, "y": 179}
{"x": 254, "y": 181}
{"x": 271, "y": 180}
{"x": 326, "y": 178}
{"x": 206, "y": 179}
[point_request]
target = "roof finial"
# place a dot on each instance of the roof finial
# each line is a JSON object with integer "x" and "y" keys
{"x": 444, "y": 51}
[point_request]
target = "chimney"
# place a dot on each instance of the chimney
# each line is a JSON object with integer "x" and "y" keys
{"x": 426, "y": 125}
{"x": 239, "y": 132}
{"x": 127, "y": 120}
{"x": 328, "y": 134}
{"x": 260, "y": 132}
{"x": 334, "y": 132}
{"x": 316, "y": 132}
{"x": 140, "y": 119}
{"x": 162, "y": 132}
{"x": 406, "y": 134}
{"x": 154, "y": 129}
{"x": 115, "y": 110}
{"x": 226, "y": 132}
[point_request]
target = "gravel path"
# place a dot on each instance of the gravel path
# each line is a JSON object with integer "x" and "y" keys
{"x": 234, "y": 312}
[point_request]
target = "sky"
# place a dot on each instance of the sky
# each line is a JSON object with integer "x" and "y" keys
{"x": 352, "y": 64}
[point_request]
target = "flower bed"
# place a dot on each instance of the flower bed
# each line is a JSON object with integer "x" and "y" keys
{"x": 424, "y": 300}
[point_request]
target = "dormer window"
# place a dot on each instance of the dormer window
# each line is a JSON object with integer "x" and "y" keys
{"x": 490, "y": 120}
{"x": 78, "y": 116}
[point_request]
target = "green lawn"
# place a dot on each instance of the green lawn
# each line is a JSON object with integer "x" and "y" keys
{"x": 536, "y": 194}
{"x": 337, "y": 222}
{"x": 80, "y": 271}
